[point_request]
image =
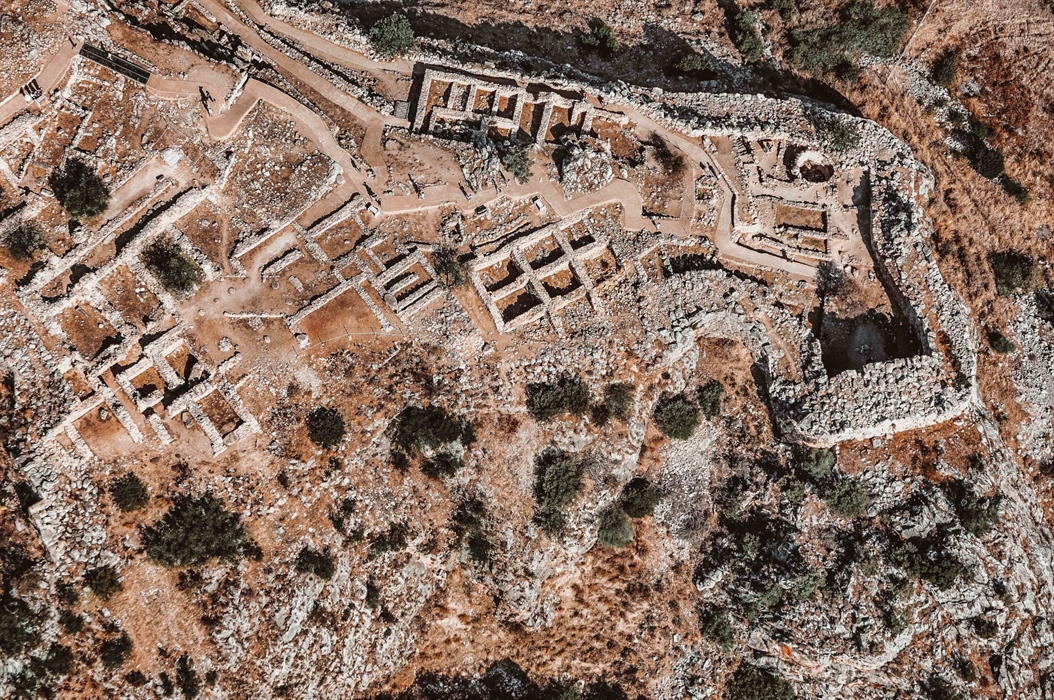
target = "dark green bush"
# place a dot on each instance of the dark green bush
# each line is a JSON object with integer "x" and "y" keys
{"x": 940, "y": 689}
{"x": 676, "y": 417}
{"x": 1013, "y": 272}
{"x": 325, "y": 427}
{"x": 129, "y": 492}
{"x": 115, "y": 650}
{"x": 59, "y": 660}
{"x": 18, "y": 624}
{"x": 195, "y": 530}
{"x": 518, "y": 162}
{"x": 557, "y": 482}
{"x": 1045, "y": 305}
{"x": 392, "y": 36}
{"x": 418, "y": 428}
{"x": 546, "y": 401}
{"x": 79, "y": 190}
{"x": 103, "y": 582}
{"x": 136, "y": 678}
{"x": 716, "y": 625}
{"x": 321, "y": 564}
{"x": 614, "y": 528}
{"x": 846, "y": 497}
{"x": 470, "y": 522}
{"x": 479, "y": 548}
{"x": 816, "y": 464}
{"x": 747, "y": 38}
{"x": 394, "y": 539}
{"x": 786, "y": 8}
{"x": 862, "y": 28}
{"x": 373, "y": 596}
{"x": 1015, "y": 189}
{"x": 752, "y": 683}
{"x": 449, "y": 268}
{"x": 167, "y": 686}
{"x": 67, "y": 593}
{"x": 23, "y": 240}
{"x": 173, "y": 268}
{"x": 928, "y": 559}
{"x": 692, "y": 64}
{"x": 843, "y": 135}
{"x": 619, "y": 398}
{"x": 977, "y": 514}
{"x": 639, "y": 498}
{"x": 600, "y": 37}
{"x": 187, "y": 677}
{"x": 709, "y": 398}
{"x": 987, "y": 161}
{"x": 442, "y": 464}
{"x": 945, "y": 68}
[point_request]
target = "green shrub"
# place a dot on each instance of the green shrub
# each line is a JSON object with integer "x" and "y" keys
{"x": 115, "y": 650}
{"x": 373, "y": 596}
{"x": 58, "y": 661}
{"x": 716, "y": 625}
{"x": 23, "y": 240}
{"x": 619, "y": 398}
{"x": 442, "y": 464}
{"x": 167, "y": 686}
{"x": 600, "y": 37}
{"x": 846, "y": 497}
{"x": 518, "y": 162}
{"x": 419, "y": 428}
{"x": 392, "y": 36}
{"x": 843, "y": 135}
{"x": 174, "y": 270}
{"x": 692, "y": 64}
{"x": 103, "y": 582}
{"x": 79, "y": 190}
{"x": 786, "y": 8}
{"x": 394, "y": 539}
{"x": 639, "y": 498}
{"x": 325, "y": 427}
{"x": 752, "y": 683}
{"x": 195, "y": 530}
{"x": 18, "y": 624}
{"x": 928, "y": 559}
{"x": 614, "y": 528}
{"x": 1013, "y": 272}
{"x": 450, "y": 270}
{"x": 977, "y": 514}
{"x": 817, "y": 464}
{"x": 1016, "y": 190}
{"x": 709, "y": 398}
{"x": 546, "y": 401}
{"x": 676, "y": 417}
{"x": 479, "y": 548}
{"x": 987, "y": 161}
{"x": 557, "y": 481}
{"x": 129, "y": 493}
{"x": 945, "y": 69}
{"x": 747, "y": 38}
{"x": 187, "y": 677}
{"x": 321, "y": 564}
{"x": 939, "y": 689}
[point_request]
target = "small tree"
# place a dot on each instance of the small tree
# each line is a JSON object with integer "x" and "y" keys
{"x": 450, "y": 270}
{"x": 676, "y": 417}
{"x": 418, "y": 428}
{"x": 1013, "y": 272}
{"x": 746, "y": 37}
{"x": 173, "y": 269}
{"x": 129, "y": 493}
{"x": 846, "y": 497}
{"x": 115, "y": 650}
{"x": 194, "y": 530}
{"x": 619, "y": 398}
{"x": 752, "y": 683}
{"x": 842, "y": 134}
{"x": 392, "y": 36}
{"x": 639, "y": 498}
{"x": 817, "y": 464}
{"x": 945, "y": 68}
{"x": 710, "y": 398}
{"x": 977, "y": 514}
{"x": 325, "y": 427}
{"x": 1045, "y": 305}
{"x": 23, "y": 240}
{"x": 518, "y": 162}
{"x": 321, "y": 564}
{"x": 103, "y": 582}
{"x": 557, "y": 480}
{"x": 716, "y": 625}
{"x": 614, "y": 528}
{"x": 79, "y": 190}
{"x": 546, "y": 401}
{"x": 393, "y": 540}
